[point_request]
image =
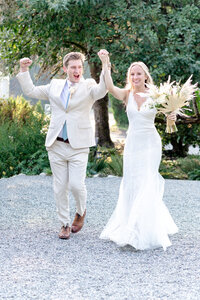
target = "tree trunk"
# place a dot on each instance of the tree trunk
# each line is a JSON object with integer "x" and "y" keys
{"x": 102, "y": 131}
{"x": 179, "y": 149}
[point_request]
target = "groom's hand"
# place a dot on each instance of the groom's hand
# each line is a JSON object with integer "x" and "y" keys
{"x": 25, "y": 63}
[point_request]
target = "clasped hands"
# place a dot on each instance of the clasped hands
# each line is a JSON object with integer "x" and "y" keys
{"x": 104, "y": 57}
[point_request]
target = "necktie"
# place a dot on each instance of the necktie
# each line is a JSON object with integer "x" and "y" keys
{"x": 64, "y": 132}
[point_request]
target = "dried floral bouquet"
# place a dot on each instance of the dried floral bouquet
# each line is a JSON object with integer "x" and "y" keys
{"x": 171, "y": 97}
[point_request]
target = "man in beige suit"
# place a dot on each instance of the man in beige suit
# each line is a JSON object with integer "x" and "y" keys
{"x": 70, "y": 133}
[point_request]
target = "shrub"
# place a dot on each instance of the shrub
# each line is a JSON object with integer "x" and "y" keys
{"x": 104, "y": 161}
{"x": 181, "y": 168}
{"x": 37, "y": 163}
{"x": 22, "y": 134}
{"x": 190, "y": 163}
{"x": 194, "y": 175}
{"x": 170, "y": 169}
{"x": 115, "y": 164}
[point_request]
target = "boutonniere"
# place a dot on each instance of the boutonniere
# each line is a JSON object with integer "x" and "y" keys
{"x": 72, "y": 90}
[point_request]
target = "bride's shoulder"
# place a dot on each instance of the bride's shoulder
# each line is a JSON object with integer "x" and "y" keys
{"x": 129, "y": 94}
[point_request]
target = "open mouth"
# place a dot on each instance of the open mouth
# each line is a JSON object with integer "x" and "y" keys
{"x": 77, "y": 76}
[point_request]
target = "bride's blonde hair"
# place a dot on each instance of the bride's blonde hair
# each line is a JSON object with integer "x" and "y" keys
{"x": 129, "y": 83}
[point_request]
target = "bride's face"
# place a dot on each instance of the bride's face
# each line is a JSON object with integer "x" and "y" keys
{"x": 138, "y": 76}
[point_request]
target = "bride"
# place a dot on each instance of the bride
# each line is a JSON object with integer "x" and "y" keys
{"x": 140, "y": 218}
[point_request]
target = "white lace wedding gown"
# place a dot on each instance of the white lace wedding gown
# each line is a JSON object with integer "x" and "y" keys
{"x": 141, "y": 218}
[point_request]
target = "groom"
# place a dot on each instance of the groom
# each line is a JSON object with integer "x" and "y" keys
{"x": 70, "y": 133}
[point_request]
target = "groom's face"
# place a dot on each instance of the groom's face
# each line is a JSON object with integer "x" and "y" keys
{"x": 74, "y": 70}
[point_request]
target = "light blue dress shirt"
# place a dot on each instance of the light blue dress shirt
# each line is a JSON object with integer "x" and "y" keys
{"x": 65, "y": 95}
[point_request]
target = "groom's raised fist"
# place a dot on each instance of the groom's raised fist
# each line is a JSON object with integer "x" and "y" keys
{"x": 25, "y": 63}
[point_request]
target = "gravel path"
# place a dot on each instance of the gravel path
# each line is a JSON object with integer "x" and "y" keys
{"x": 35, "y": 264}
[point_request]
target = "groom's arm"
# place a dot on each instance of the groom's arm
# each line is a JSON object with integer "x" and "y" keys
{"x": 39, "y": 92}
{"x": 99, "y": 90}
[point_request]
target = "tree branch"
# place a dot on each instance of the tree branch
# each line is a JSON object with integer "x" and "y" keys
{"x": 195, "y": 107}
{"x": 189, "y": 120}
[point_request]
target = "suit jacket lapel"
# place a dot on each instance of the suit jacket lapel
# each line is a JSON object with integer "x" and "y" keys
{"x": 73, "y": 95}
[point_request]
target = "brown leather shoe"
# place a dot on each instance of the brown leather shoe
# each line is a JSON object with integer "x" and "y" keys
{"x": 64, "y": 232}
{"x": 78, "y": 222}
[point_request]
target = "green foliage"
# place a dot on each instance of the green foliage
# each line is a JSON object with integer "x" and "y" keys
{"x": 37, "y": 163}
{"x": 119, "y": 111}
{"x": 190, "y": 163}
{"x": 198, "y": 99}
{"x": 163, "y": 34}
{"x": 22, "y": 137}
{"x": 104, "y": 161}
{"x": 115, "y": 164}
{"x": 182, "y": 52}
{"x": 50, "y": 29}
{"x": 187, "y": 134}
{"x": 169, "y": 169}
{"x": 95, "y": 163}
{"x": 190, "y": 166}
{"x": 182, "y": 168}
{"x": 194, "y": 175}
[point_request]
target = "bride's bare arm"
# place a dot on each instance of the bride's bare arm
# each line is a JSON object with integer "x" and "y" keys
{"x": 118, "y": 93}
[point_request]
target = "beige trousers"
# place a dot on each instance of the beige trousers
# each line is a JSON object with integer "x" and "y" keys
{"x": 68, "y": 166}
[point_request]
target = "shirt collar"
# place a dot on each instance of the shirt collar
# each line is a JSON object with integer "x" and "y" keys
{"x": 70, "y": 84}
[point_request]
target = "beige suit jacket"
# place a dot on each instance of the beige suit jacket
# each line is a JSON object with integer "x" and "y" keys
{"x": 77, "y": 114}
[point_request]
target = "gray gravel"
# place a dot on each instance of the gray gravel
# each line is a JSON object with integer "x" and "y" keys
{"x": 35, "y": 264}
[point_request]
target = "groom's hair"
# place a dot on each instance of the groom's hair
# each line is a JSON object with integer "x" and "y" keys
{"x": 73, "y": 56}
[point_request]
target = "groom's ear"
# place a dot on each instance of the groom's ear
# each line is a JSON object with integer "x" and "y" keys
{"x": 64, "y": 68}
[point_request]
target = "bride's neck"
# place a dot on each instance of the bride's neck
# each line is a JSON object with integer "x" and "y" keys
{"x": 139, "y": 90}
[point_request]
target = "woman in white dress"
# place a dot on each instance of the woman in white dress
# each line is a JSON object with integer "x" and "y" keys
{"x": 140, "y": 218}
